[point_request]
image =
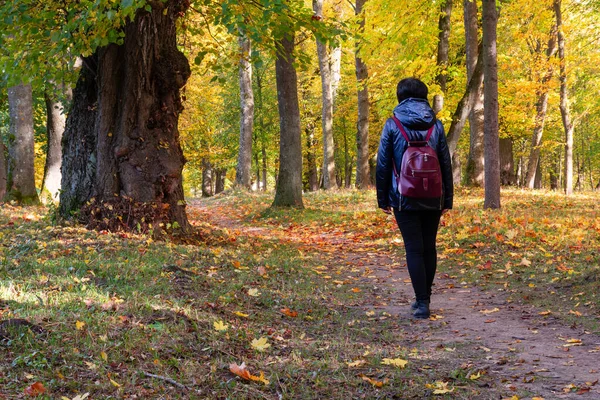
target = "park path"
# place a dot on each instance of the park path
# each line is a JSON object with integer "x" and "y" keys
{"x": 522, "y": 348}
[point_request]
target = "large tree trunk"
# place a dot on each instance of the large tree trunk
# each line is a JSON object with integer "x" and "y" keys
{"x": 288, "y": 192}
{"x": 56, "y": 118}
{"x": 336, "y": 56}
{"x": 2, "y": 170}
{"x": 475, "y": 161}
{"x": 442, "y": 54}
{"x": 21, "y": 153}
{"x": 220, "y": 175}
{"x": 329, "y": 181}
{"x": 121, "y": 142}
{"x": 244, "y": 165}
{"x": 491, "y": 141}
{"x": 363, "y": 179}
{"x": 564, "y": 102}
{"x": 507, "y": 162}
{"x": 540, "y": 118}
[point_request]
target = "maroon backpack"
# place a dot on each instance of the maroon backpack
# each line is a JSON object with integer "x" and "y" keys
{"x": 420, "y": 172}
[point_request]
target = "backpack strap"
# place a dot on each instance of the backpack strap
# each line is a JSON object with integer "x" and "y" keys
{"x": 403, "y": 131}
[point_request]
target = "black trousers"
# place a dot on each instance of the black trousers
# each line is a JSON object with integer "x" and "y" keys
{"x": 419, "y": 231}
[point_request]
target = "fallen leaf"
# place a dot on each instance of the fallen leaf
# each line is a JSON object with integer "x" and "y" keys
{"x": 373, "y": 382}
{"x": 493, "y": 310}
{"x": 544, "y": 313}
{"x": 79, "y": 325}
{"x": 355, "y": 290}
{"x": 241, "y": 314}
{"x": 439, "y": 387}
{"x": 525, "y": 262}
{"x": 220, "y": 326}
{"x": 253, "y": 292}
{"x": 356, "y": 363}
{"x": 475, "y": 376}
{"x": 242, "y": 372}
{"x": 261, "y": 270}
{"x": 114, "y": 383}
{"x": 35, "y": 389}
{"x": 397, "y": 362}
{"x": 260, "y": 344}
{"x": 104, "y": 356}
{"x": 289, "y": 313}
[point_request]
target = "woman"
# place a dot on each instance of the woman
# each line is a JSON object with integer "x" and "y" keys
{"x": 418, "y": 218}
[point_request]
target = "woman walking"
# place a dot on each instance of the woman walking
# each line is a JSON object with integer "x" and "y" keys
{"x": 418, "y": 217}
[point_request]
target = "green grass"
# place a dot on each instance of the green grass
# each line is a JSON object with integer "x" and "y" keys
{"x": 114, "y": 307}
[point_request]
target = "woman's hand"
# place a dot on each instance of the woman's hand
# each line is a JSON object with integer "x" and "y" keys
{"x": 387, "y": 210}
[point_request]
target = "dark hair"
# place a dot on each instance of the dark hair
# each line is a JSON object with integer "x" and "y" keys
{"x": 411, "y": 87}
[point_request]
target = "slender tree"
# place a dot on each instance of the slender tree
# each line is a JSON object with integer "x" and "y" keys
{"x": 329, "y": 181}
{"x": 475, "y": 161}
{"x": 363, "y": 178}
{"x": 491, "y": 140}
{"x": 564, "y": 101}
{"x": 20, "y": 166}
{"x": 56, "y": 117}
{"x": 288, "y": 192}
{"x": 244, "y": 165}
{"x": 442, "y": 54}
{"x": 541, "y": 109}
{"x": 2, "y": 170}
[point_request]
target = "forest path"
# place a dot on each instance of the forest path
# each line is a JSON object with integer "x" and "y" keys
{"x": 522, "y": 349}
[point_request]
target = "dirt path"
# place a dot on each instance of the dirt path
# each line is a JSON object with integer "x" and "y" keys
{"x": 521, "y": 348}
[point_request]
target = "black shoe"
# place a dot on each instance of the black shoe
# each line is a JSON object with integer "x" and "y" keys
{"x": 422, "y": 309}
{"x": 414, "y": 306}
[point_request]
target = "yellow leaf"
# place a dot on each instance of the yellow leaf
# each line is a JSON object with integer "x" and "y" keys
{"x": 439, "y": 387}
{"x": 260, "y": 344}
{"x": 493, "y": 310}
{"x": 79, "y": 325}
{"x": 115, "y": 384}
{"x": 260, "y": 378}
{"x": 220, "y": 326}
{"x": 104, "y": 356}
{"x": 241, "y": 314}
{"x": 475, "y": 376}
{"x": 397, "y": 362}
{"x": 525, "y": 262}
{"x": 373, "y": 381}
{"x": 356, "y": 363}
{"x": 537, "y": 398}
{"x": 253, "y": 292}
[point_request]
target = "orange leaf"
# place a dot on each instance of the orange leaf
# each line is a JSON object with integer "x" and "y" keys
{"x": 35, "y": 389}
{"x": 289, "y": 312}
{"x": 373, "y": 381}
{"x": 240, "y": 370}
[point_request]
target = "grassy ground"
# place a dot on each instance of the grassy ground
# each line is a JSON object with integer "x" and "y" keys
{"x": 121, "y": 316}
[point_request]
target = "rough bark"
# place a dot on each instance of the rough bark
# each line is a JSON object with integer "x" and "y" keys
{"x": 220, "y": 174}
{"x": 363, "y": 179}
{"x": 507, "y": 162}
{"x": 56, "y": 118}
{"x": 565, "y": 111}
{"x": 244, "y": 164}
{"x": 540, "y": 117}
{"x": 20, "y": 167}
{"x": 121, "y": 140}
{"x": 288, "y": 192}
{"x": 491, "y": 140}
{"x": 475, "y": 162}
{"x": 329, "y": 181}
{"x": 442, "y": 54}
{"x": 2, "y": 170}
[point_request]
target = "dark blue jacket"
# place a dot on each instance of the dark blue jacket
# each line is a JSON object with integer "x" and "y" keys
{"x": 417, "y": 117}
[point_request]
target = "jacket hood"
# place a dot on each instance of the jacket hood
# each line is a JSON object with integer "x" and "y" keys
{"x": 415, "y": 114}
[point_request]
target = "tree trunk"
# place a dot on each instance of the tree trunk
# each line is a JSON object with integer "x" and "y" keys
{"x": 564, "y": 101}
{"x": 442, "y": 54}
{"x": 288, "y": 192}
{"x": 220, "y": 174}
{"x": 363, "y": 179}
{"x": 21, "y": 153}
{"x": 244, "y": 165}
{"x": 475, "y": 162}
{"x": 456, "y": 169}
{"x": 2, "y": 170}
{"x": 311, "y": 159}
{"x": 336, "y": 56}
{"x": 491, "y": 141}
{"x": 329, "y": 181}
{"x": 264, "y": 165}
{"x": 540, "y": 118}
{"x": 207, "y": 178}
{"x": 56, "y": 118}
{"x": 465, "y": 105}
{"x": 121, "y": 141}
{"x": 538, "y": 176}
{"x": 507, "y": 162}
